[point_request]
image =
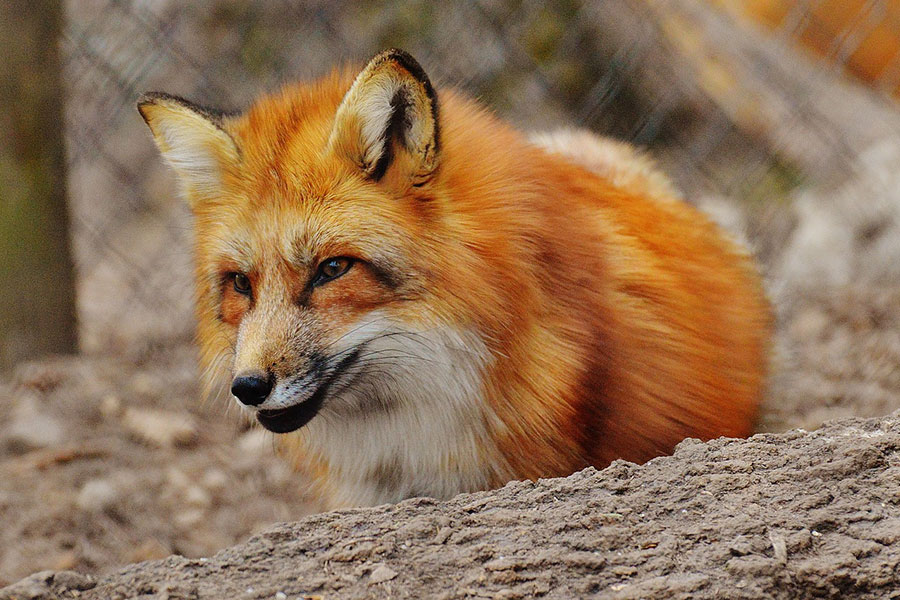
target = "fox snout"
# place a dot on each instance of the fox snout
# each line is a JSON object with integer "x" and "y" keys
{"x": 276, "y": 348}
{"x": 293, "y": 400}
{"x": 252, "y": 387}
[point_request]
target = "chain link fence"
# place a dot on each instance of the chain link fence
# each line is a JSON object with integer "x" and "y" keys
{"x": 730, "y": 101}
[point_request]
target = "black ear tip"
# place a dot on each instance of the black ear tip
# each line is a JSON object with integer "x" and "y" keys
{"x": 147, "y": 99}
{"x": 153, "y": 98}
{"x": 405, "y": 60}
{"x": 398, "y": 54}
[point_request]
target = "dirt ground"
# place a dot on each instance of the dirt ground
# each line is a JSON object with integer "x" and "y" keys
{"x": 794, "y": 515}
{"x": 106, "y": 461}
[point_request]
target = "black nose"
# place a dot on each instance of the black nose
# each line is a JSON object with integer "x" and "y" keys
{"x": 251, "y": 388}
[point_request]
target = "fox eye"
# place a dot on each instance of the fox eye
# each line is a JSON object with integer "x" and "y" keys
{"x": 241, "y": 283}
{"x": 332, "y": 268}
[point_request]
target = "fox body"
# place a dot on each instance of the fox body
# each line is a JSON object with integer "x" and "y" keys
{"x": 425, "y": 302}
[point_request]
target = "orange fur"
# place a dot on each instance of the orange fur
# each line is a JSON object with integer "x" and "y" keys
{"x": 617, "y": 320}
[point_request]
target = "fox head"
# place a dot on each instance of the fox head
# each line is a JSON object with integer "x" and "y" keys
{"x": 319, "y": 217}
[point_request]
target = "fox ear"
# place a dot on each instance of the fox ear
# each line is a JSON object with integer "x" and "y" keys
{"x": 193, "y": 141}
{"x": 389, "y": 115}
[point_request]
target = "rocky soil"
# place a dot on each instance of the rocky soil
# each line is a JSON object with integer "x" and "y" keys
{"x": 107, "y": 461}
{"x": 795, "y": 515}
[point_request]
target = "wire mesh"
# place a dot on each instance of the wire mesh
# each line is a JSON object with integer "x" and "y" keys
{"x": 730, "y": 108}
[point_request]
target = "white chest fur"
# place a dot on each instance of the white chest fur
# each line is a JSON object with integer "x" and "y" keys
{"x": 413, "y": 422}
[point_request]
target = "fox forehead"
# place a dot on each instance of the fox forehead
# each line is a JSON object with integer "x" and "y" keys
{"x": 291, "y": 198}
{"x": 302, "y": 234}
{"x": 282, "y": 137}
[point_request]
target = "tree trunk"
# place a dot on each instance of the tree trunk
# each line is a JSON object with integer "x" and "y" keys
{"x": 37, "y": 312}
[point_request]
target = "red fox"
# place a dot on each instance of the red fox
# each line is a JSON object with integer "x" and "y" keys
{"x": 425, "y": 302}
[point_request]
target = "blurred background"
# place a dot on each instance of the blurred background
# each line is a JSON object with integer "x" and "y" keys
{"x": 779, "y": 117}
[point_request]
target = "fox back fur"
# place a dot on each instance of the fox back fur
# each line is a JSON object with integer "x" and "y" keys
{"x": 422, "y": 301}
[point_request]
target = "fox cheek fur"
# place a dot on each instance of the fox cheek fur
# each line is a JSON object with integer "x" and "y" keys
{"x": 432, "y": 303}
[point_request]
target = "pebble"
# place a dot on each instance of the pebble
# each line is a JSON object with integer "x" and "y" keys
{"x": 280, "y": 473}
{"x": 160, "y": 428}
{"x": 502, "y": 564}
{"x": 215, "y": 479}
{"x": 180, "y": 490}
{"x": 145, "y": 383}
{"x": 32, "y": 427}
{"x": 97, "y": 495}
{"x": 177, "y": 479}
{"x": 72, "y": 580}
{"x": 189, "y": 518}
{"x": 110, "y": 406}
{"x": 196, "y": 496}
{"x": 381, "y": 574}
{"x": 252, "y": 447}
{"x": 255, "y": 441}
{"x": 809, "y": 324}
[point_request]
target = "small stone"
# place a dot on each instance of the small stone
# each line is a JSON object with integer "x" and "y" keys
{"x": 110, "y": 406}
{"x": 809, "y": 324}
{"x": 198, "y": 497}
{"x": 623, "y": 571}
{"x": 72, "y": 580}
{"x": 145, "y": 383}
{"x": 280, "y": 473}
{"x": 189, "y": 518}
{"x": 151, "y": 549}
{"x": 740, "y": 547}
{"x": 381, "y": 574}
{"x": 443, "y": 535}
{"x": 255, "y": 441}
{"x": 97, "y": 495}
{"x": 32, "y": 427}
{"x": 502, "y": 564}
{"x": 160, "y": 428}
{"x": 42, "y": 377}
{"x": 508, "y": 594}
{"x": 215, "y": 479}
{"x": 177, "y": 479}
{"x": 779, "y": 547}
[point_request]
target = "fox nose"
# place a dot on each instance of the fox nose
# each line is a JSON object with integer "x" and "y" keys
{"x": 251, "y": 388}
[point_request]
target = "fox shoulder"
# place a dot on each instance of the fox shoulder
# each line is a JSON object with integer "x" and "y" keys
{"x": 620, "y": 163}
